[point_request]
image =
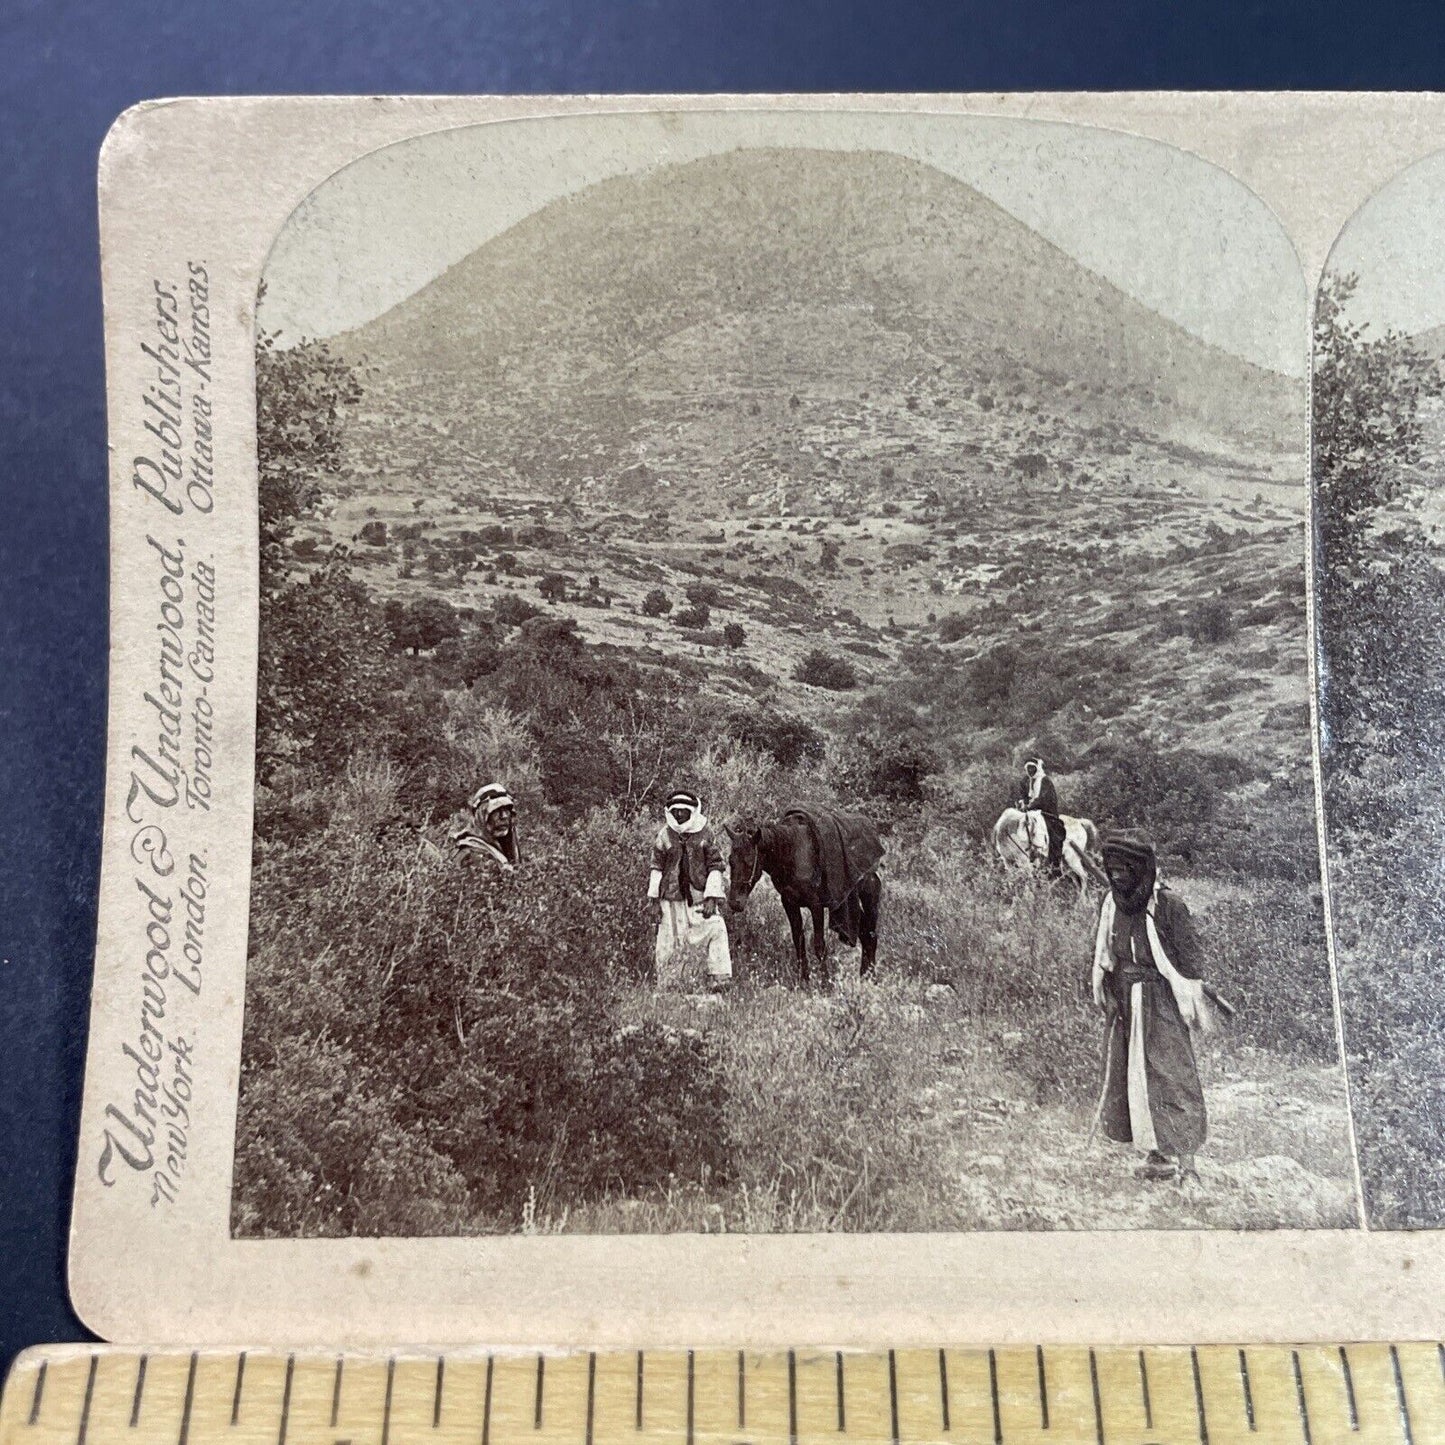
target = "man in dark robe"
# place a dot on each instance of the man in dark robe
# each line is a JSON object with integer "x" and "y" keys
{"x": 1147, "y": 977}
{"x": 1040, "y": 796}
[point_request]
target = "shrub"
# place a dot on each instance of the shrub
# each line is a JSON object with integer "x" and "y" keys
{"x": 821, "y": 669}
{"x": 704, "y": 594}
{"x": 889, "y": 755}
{"x": 991, "y": 677}
{"x": 734, "y": 635}
{"x": 692, "y": 619}
{"x": 954, "y": 628}
{"x": 553, "y": 587}
{"x": 656, "y": 604}
{"x": 520, "y": 1081}
{"x": 512, "y": 611}
{"x": 1209, "y": 620}
{"x": 787, "y": 738}
{"x": 461, "y": 661}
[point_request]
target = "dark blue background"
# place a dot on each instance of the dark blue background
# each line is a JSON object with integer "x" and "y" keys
{"x": 66, "y": 71}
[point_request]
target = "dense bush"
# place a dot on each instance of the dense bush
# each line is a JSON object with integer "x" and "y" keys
{"x": 821, "y": 669}
{"x": 1209, "y": 620}
{"x": 513, "y": 611}
{"x": 789, "y": 739}
{"x": 519, "y": 1078}
{"x": 704, "y": 594}
{"x": 692, "y": 619}
{"x": 1175, "y": 796}
{"x": 322, "y": 670}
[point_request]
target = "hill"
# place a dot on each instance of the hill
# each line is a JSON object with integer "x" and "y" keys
{"x": 851, "y": 403}
{"x": 785, "y": 322}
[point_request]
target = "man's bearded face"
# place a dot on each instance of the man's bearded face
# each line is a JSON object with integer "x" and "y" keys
{"x": 499, "y": 822}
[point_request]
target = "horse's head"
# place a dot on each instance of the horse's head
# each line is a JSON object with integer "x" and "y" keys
{"x": 745, "y": 867}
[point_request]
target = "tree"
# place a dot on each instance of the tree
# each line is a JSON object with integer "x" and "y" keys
{"x": 553, "y": 587}
{"x": 513, "y": 611}
{"x": 1380, "y": 587}
{"x": 302, "y": 393}
{"x": 322, "y": 670}
{"x": 1365, "y": 416}
{"x": 422, "y": 625}
{"x": 734, "y": 635}
{"x": 656, "y": 604}
{"x": 828, "y": 549}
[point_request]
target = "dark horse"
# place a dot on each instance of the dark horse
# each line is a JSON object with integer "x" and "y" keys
{"x": 789, "y": 852}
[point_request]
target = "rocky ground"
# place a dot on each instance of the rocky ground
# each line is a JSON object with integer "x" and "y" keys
{"x": 991, "y": 1156}
{"x": 1277, "y": 1156}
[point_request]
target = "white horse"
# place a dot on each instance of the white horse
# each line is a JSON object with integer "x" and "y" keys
{"x": 1022, "y": 842}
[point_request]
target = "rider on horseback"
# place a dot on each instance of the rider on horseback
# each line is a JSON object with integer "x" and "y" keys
{"x": 1040, "y": 796}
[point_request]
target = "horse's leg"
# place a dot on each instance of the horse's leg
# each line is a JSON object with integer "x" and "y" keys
{"x": 820, "y": 946}
{"x": 800, "y": 953}
{"x": 869, "y": 896}
{"x": 1075, "y": 865}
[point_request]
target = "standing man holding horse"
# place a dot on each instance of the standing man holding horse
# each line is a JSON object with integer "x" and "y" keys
{"x": 686, "y": 888}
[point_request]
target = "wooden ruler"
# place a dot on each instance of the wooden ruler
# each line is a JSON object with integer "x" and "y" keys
{"x": 1049, "y": 1395}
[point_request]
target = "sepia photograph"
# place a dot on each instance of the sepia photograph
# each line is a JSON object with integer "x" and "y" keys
{"x": 784, "y": 695}
{"x": 1379, "y": 456}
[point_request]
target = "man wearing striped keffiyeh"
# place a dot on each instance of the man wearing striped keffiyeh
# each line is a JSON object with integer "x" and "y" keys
{"x": 491, "y": 832}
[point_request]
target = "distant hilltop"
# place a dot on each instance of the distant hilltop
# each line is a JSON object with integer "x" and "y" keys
{"x": 751, "y": 315}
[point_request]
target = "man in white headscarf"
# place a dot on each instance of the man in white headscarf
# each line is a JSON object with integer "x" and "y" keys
{"x": 1040, "y": 796}
{"x": 490, "y": 834}
{"x": 686, "y": 889}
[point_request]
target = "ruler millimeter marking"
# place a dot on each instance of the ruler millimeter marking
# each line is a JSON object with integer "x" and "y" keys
{"x": 1032, "y": 1395}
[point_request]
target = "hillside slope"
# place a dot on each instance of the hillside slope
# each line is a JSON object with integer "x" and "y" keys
{"x": 793, "y": 319}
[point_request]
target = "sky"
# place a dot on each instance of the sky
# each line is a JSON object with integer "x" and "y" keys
{"x": 1173, "y": 231}
{"x": 1394, "y": 244}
